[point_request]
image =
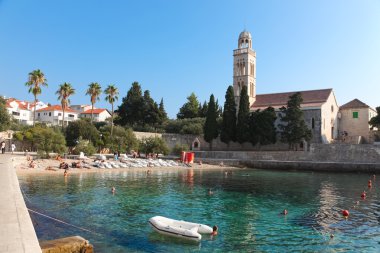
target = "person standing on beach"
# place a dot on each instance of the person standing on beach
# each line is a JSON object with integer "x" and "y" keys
{"x": 13, "y": 147}
{"x": 3, "y": 147}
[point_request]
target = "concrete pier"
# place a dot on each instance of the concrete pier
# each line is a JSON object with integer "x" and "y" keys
{"x": 16, "y": 229}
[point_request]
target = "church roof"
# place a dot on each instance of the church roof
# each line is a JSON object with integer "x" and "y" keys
{"x": 356, "y": 103}
{"x": 311, "y": 98}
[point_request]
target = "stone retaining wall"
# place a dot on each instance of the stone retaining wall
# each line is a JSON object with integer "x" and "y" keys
{"x": 318, "y": 153}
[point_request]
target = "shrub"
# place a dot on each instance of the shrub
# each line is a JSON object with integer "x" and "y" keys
{"x": 178, "y": 148}
{"x": 153, "y": 145}
{"x": 84, "y": 146}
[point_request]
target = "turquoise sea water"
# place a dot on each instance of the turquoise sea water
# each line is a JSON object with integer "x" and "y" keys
{"x": 245, "y": 206}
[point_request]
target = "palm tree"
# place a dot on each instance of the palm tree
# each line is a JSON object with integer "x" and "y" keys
{"x": 64, "y": 92}
{"x": 94, "y": 90}
{"x": 36, "y": 79}
{"x": 112, "y": 95}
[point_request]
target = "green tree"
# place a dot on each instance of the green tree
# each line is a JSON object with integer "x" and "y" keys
{"x": 228, "y": 128}
{"x": 36, "y": 79}
{"x": 64, "y": 92}
{"x": 151, "y": 114}
{"x": 130, "y": 110}
{"x": 153, "y": 145}
{"x": 5, "y": 119}
{"x": 262, "y": 127}
{"x": 94, "y": 90}
{"x": 211, "y": 126}
{"x": 122, "y": 139}
{"x": 293, "y": 127}
{"x": 112, "y": 94}
{"x": 185, "y": 126}
{"x": 375, "y": 121}
{"x": 162, "y": 112}
{"x": 81, "y": 129}
{"x": 47, "y": 140}
{"x": 242, "y": 126}
{"x": 203, "y": 110}
{"x": 190, "y": 109}
{"x": 84, "y": 146}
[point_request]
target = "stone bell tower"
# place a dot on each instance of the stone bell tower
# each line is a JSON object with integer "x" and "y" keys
{"x": 245, "y": 68}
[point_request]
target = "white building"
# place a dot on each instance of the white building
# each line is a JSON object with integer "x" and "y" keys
{"x": 22, "y": 111}
{"x": 81, "y": 108}
{"x": 99, "y": 115}
{"x": 53, "y": 115}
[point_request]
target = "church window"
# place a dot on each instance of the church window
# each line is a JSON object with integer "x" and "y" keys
{"x": 332, "y": 108}
{"x": 312, "y": 123}
{"x": 355, "y": 115}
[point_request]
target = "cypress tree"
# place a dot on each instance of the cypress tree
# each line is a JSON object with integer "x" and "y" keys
{"x": 228, "y": 128}
{"x": 294, "y": 129}
{"x": 162, "y": 112}
{"x": 211, "y": 126}
{"x": 242, "y": 127}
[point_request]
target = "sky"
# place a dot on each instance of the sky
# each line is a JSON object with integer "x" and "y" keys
{"x": 175, "y": 47}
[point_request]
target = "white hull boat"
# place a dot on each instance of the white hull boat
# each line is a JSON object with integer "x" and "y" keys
{"x": 177, "y": 228}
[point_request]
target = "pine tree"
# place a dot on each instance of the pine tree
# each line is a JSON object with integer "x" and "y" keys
{"x": 294, "y": 129}
{"x": 203, "y": 110}
{"x": 228, "y": 129}
{"x": 162, "y": 112}
{"x": 129, "y": 111}
{"x": 150, "y": 112}
{"x": 211, "y": 126}
{"x": 242, "y": 127}
{"x": 190, "y": 109}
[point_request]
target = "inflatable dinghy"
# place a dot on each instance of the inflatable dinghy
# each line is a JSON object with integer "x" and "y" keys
{"x": 177, "y": 228}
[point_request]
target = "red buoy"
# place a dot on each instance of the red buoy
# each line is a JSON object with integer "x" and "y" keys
{"x": 364, "y": 195}
{"x": 345, "y": 213}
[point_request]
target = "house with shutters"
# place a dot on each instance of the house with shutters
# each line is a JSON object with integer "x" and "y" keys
{"x": 353, "y": 121}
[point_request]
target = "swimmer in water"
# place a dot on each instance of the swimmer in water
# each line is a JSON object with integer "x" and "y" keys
{"x": 113, "y": 190}
{"x": 285, "y": 212}
{"x": 210, "y": 192}
{"x": 214, "y": 230}
{"x": 65, "y": 173}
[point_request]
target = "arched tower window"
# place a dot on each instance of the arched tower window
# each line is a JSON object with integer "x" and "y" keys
{"x": 312, "y": 123}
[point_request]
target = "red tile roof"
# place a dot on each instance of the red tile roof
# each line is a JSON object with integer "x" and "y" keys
{"x": 95, "y": 111}
{"x": 21, "y": 104}
{"x": 55, "y": 108}
{"x": 311, "y": 98}
{"x": 356, "y": 103}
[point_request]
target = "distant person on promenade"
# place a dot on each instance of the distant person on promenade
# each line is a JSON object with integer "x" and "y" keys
{"x": 13, "y": 147}
{"x": 3, "y": 147}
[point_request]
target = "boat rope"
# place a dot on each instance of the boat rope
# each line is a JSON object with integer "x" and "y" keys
{"x": 63, "y": 222}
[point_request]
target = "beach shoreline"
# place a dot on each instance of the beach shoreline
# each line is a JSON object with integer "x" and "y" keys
{"x": 20, "y": 164}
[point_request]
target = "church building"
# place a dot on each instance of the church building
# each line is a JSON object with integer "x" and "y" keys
{"x": 320, "y": 107}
